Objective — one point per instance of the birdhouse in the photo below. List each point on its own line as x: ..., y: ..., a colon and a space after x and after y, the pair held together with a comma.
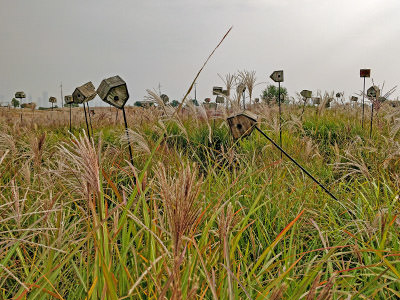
x: 277, y: 76
x: 354, y: 98
x: 240, y: 88
x: 114, y: 91
x: 338, y: 95
x: 52, y: 99
x: 242, y: 124
x: 68, y: 99
x: 207, y: 100
x: 84, y: 93
x: 373, y: 92
x: 210, y: 105
x: 164, y: 98
x: 316, y: 100
x: 306, y: 94
x: 256, y: 100
x: 226, y: 93
x: 20, y: 95
x: 365, y: 72
x: 382, y: 99
x: 217, y: 90
x: 220, y: 99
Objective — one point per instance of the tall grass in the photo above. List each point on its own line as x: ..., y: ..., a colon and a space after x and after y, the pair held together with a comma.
x: 199, y: 216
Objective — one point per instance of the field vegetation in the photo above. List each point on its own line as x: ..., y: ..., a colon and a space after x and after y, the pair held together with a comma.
x: 198, y: 215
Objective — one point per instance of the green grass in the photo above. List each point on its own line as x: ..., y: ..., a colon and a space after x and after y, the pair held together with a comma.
x: 199, y: 216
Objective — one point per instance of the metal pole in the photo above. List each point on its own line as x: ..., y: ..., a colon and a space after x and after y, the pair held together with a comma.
x: 362, y: 122
x: 87, y: 125
x: 280, y: 116
x: 70, y: 109
x: 127, y: 135
x: 372, y: 116
x: 297, y: 164
x: 20, y: 106
x: 244, y: 100
x: 90, y: 118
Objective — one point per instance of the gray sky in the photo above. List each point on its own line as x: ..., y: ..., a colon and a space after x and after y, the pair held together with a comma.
x: 320, y: 44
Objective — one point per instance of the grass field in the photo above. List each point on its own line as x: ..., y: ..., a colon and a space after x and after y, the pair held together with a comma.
x: 199, y: 216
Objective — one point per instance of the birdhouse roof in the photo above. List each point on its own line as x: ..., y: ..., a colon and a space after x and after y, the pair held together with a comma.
x: 85, y: 93
x: 109, y: 83
x: 245, y: 113
x: 19, y: 95
x: 86, y: 90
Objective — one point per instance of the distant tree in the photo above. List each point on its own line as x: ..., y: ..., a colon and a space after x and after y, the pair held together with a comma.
x: 271, y: 93
x: 175, y: 103
x: 15, y: 103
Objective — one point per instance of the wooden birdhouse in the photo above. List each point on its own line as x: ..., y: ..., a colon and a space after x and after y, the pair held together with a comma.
x: 354, y: 98
x: 217, y: 90
x: 240, y: 88
x: 373, y: 92
x: 84, y: 93
x: 210, y: 105
x: 256, y: 100
x: 277, y: 76
x: 114, y: 91
x: 220, y: 99
x: 365, y: 72
x: 242, y: 124
x: 20, y: 95
x: 52, y: 99
x: 306, y: 94
x: 68, y: 99
x: 164, y: 98
x: 316, y: 100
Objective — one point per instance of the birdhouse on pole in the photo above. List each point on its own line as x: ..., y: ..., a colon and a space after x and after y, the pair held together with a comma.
x: 68, y: 99
x: 242, y: 124
x: 20, y: 95
x: 354, y: 99
x: 164, y: 98
x: 84, y: 93
x: 306, y: 94
x: 365, y: 73
x: 373, y: 92
x: 316, y: 100
x: 114, y: 91
x: 277, y: 76
x: 217, y: 90
x: 240, y: 88
x: 220, y: 99
x: 53, y: 100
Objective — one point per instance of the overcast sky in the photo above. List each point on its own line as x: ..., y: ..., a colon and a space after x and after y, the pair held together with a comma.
x: 320, y: 44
